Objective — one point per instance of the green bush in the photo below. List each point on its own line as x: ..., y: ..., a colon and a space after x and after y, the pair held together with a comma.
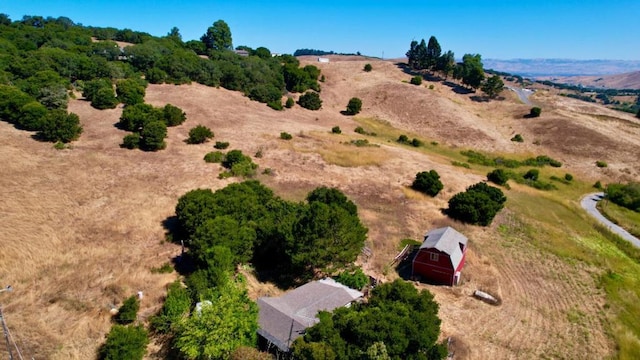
x: 517, y: 138
x: 479, y: 204
x: 626, y: 195
x: 535, y: 112
x: 58, y: 125
x: 336, y: 130
x: 416, y: 80
x: 131, y: 141
x: 130, y: 91
x: 173, y: 115
x: 199, y: 135
x: 275, y: 105
x: 601, y: 164
x: 285, y: 136
x: 427, y: 182
x: 354, y: 279
x: 354, y: 106
x: 153, y: 135
x: 403, y: 139
x: 128, y: 312
x: 125, y: 342
x: 176, y: 307
x: 568, y: 177
x: 598, y: 185
x: 498, y: 176
x: 214, y: 157
x: 310, y: 100
x: 532, y: 175
x: 360, y: 130
x: 289, y: 103
x: 221, y: 145
x: 368, y: 67
x: 416, y: 142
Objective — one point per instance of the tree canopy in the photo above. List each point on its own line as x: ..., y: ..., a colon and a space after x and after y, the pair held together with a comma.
x: 428, y: 182
x: 218, y: 36
x: 479, y: 204
x: 493, y: 86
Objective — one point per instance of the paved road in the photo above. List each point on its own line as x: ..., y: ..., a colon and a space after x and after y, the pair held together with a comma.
x: 589, y: 204
x: 523, y: 94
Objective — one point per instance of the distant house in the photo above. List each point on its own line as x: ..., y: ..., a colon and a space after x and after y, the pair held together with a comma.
x: 242, y: 52
x: 441, y: 256
x: 283, y: 319
x: 323, y: 60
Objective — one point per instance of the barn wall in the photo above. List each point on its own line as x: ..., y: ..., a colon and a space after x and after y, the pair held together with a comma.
x: 439, y: 272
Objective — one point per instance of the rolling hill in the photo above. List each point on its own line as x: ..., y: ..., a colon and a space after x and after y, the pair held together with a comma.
x: 85, y: 225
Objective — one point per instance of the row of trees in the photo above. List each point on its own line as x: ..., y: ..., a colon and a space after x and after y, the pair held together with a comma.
x: 423, y: 56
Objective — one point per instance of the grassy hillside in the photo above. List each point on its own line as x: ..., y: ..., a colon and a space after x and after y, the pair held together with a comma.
x: 85, y: 224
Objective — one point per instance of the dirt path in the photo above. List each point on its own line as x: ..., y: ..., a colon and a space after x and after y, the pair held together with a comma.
x: 589, y: 204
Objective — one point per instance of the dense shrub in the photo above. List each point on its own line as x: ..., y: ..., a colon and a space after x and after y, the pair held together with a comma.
x: 626, y: 195
x: 416, y: 142
x: 416, y: 80
x: 532, y: 175
x: 517, y: 138
x: 355, y: 279
x: 368, y: 67
x: 275, y: 105
x: 498, y: 176
x: 427, y: 182
x: 285, y: 136
x: 105, y: 98
x: 535, y: 112
x: 153, y: 135
x: 128, y: 312
x: 173, y: 115
x: 598, y: 185
x: 479, y: 204
x: 130, y: 91
x: 310, y: 100
x: 568, y: 177
x: 214, y: 157
x: 131, y: 141
x: 221, y: 145
x: 289, y: 103
x: 601, y: 164
x: 199, y: 135
x: 359, y: 130
x: 403, y: 139
x: 354, y: 106
x: 336, y: 130
x: 125, y: 342
x: 176, y: 307
x: 58, y: 125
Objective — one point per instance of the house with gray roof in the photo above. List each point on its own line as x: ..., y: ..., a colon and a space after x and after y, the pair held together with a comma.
x: 285, y: 318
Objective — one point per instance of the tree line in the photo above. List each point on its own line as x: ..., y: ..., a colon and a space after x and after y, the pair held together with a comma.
x: 43, y: 60
x: 429, y: 56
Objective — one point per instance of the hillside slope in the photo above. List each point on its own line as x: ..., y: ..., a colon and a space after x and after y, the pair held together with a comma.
x: 630, y: 80
x: 84, y: 226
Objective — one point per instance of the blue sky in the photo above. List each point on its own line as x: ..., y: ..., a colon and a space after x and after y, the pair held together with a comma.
x: 499, y: 29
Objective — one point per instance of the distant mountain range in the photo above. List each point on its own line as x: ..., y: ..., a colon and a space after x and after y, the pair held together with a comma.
x: 536, y: 68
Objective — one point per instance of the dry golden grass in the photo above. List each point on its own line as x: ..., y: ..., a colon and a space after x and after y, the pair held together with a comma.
x: 83, y: 226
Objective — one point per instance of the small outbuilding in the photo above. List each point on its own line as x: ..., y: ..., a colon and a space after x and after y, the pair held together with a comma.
x: 441, y: 256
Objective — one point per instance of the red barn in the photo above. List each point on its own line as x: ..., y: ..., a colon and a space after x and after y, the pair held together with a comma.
x: 441, y: 256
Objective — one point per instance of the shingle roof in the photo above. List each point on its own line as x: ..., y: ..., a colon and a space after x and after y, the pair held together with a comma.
x: 283, y: 319
x: 447, y: 240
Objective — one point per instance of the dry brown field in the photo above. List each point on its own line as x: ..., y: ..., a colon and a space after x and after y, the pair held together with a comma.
x: 83, y: 227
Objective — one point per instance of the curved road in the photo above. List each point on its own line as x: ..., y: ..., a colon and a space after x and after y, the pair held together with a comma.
x: 523, y: 94
x: 589, y: 204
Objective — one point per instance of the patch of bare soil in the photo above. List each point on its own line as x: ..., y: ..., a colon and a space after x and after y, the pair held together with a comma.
x: 84, y: 226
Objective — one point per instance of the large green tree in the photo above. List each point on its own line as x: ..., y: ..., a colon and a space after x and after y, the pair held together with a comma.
x: 229, y: 321
x: 428, y: 182
x: 470, y: 71
x: 218, y: 36
x: 493, y: 86
x: 58, y: 125
x: 479, y: 204
x: 433, y: 53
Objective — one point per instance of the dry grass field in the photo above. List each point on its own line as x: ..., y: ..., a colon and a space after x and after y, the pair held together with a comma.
x: 83, y: 227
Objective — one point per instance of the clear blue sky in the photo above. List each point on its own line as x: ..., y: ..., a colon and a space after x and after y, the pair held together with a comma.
x: 498, y: 29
